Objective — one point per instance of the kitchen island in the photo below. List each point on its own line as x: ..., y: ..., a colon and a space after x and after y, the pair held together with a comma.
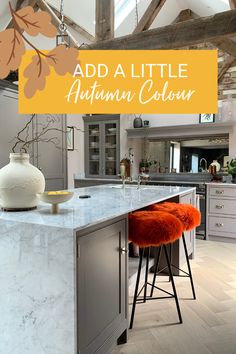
x: 64, y: 277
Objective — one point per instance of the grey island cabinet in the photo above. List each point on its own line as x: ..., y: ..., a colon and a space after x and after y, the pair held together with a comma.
x: 64, y: 278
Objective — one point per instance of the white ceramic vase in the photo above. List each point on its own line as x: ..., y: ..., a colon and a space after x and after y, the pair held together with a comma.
x: 216, y: 164
x: 20, y: 182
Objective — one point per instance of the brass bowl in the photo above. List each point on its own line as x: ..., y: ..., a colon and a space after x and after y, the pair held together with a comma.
x: 55, y: 198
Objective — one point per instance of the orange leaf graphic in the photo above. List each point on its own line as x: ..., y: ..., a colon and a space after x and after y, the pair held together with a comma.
x: 34, y: 23
x: 63, y: 59
x: 11, y: 48
x: 36, y: 71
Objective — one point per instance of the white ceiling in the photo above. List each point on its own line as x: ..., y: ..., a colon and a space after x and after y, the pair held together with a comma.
x: 83, y: 12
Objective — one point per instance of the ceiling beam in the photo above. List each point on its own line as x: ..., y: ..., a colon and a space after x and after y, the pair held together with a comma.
x: 149, y: 15
x: 104, y: 27
x: 232, y: 4
x: 79, y: 29
x: 230, y: 61
x: 184, y: 15
x: 19, y: 5
x: 43, y: 5
x: 205, y: 29
x: 226, y: 45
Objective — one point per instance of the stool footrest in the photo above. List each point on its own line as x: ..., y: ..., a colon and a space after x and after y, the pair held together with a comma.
x: 156, y: 287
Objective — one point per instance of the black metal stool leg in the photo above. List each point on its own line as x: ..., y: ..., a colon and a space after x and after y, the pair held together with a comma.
x: 146, y: 275
x: 136, y: 288
x: 189, y: 267
x: 156, y: 269
x: 173, y: 284
x: 171, y: 254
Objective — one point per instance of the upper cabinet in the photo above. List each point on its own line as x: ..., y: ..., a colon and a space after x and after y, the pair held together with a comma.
x: 102, y: 146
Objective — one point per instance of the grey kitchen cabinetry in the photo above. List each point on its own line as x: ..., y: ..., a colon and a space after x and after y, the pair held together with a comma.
x: 48, y: 157
x: 188, y: 198
x: 102, y: 140
x: 51, y: 157
x: 102, y: 287
x: 221, y: 212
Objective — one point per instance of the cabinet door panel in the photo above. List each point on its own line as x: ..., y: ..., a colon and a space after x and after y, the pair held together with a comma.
x: 222, y: 206
x: 222, y: 191
x: 51, y: 157
x: 189, y: 235
x: 111, y: 148
x: 102, y: 140
x: 101, y: 284
x: 94, y: 149
x: 219, y: 225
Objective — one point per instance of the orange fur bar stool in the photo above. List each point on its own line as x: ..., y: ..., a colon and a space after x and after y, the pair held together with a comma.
x: 152, y: 228
x: 190, y: 217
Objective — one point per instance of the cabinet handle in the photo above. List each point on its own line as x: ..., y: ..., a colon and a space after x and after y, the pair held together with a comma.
x: 123, y: 250
x: 219, y: 192
x: 219, y: 224
x: 219, y: 206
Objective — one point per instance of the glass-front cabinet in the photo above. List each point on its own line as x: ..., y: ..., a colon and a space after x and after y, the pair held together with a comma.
x: 102, y: 153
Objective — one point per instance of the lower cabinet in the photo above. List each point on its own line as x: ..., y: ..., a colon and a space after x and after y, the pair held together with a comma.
x: 189, y: 198
x: 102, y: 281
x: 221, y: 212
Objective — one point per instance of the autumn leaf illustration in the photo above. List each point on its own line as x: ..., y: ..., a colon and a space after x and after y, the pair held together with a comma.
x: 36, y: 72
x: 12, y: 48
x: 34, y: 23
x: 63, y: 59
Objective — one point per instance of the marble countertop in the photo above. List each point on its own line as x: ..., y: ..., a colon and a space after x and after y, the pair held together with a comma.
x: 106, y: 202
x: 221, y: 184
x: 151, y: 181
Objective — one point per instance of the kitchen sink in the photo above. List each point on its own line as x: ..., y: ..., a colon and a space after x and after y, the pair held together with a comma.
x: 120, y: 186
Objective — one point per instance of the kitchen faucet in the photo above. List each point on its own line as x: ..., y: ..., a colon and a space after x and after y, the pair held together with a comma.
x: 205, y: 163
x: 142, y: 177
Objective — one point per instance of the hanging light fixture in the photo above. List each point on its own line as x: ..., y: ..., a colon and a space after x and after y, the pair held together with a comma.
x: 62, y: 38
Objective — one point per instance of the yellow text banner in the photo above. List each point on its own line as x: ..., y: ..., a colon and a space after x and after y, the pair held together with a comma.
x: 125, y: 81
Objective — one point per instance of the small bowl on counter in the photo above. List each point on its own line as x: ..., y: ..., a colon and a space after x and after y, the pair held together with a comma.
x: 55, y: 198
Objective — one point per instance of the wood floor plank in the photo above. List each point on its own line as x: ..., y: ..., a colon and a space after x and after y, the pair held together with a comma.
x: 209, y: 322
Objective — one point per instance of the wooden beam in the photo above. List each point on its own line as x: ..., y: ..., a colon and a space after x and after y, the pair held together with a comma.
x: 205, y: 29
x: 19, y: 5
x: 43, y: 5
x: 232, y: 4
x: 79, y: 29
x: 149, y: 15
x: 104, y: 20
x: 226, y: 45
x: 184, y: 15
x: 230, y: 61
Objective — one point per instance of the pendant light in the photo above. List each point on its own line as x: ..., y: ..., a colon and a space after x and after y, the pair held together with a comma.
x: 62, y: 38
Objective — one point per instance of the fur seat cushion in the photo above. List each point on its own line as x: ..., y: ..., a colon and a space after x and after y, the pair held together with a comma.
x: 153, y: 228
x: 186, y: 213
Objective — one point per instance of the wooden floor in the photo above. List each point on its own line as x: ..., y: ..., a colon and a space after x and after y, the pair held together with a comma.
x: 209, y: 322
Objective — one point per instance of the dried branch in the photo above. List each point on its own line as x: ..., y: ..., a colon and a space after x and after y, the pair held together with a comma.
x: 19, y: 140
x: 24, y: 141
